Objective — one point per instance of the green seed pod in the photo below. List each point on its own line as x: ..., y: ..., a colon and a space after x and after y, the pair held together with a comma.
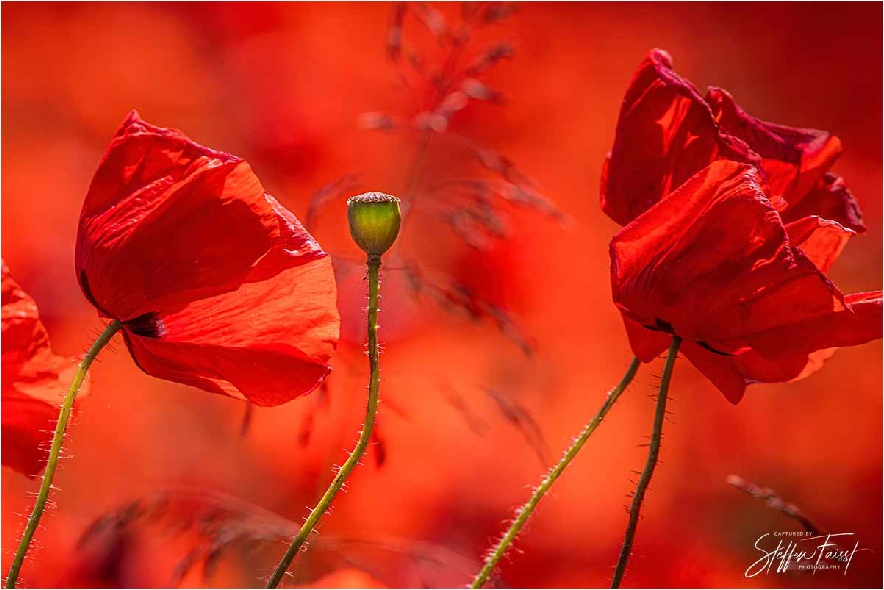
x: 374, y: 221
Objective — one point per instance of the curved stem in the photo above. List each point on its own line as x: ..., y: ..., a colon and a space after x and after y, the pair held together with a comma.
x: 648, y: 471
x: 524, y: 513
x: 374, y: 263
x: 55, y: 449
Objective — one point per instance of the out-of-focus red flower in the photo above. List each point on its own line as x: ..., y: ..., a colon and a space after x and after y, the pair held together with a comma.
x: 217, y: 285
x: 667, y: 132
x: 713, y: 263
x: 34, y: 382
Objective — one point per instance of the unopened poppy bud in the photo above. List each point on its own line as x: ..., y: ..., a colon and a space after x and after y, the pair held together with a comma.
x: 374, y: 221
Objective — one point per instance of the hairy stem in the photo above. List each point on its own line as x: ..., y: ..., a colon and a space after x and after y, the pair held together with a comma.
x: 374, y: 263
x: 524, y: 513
x: 55, y: 450
x: 648, y: 471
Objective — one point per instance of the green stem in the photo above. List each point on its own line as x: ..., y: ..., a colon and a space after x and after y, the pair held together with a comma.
x: 374, y: 263
x: 524, y: 513
x: 55, y: 449
x: 648, y: 471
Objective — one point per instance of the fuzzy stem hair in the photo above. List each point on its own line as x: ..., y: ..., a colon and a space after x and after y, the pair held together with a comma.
x: 650, y: 465
x: 524, y: 513
x: 54, y: 451
x: 374, y: 264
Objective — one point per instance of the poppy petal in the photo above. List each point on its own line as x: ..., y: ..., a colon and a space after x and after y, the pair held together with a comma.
x: 722, y: 371
x: 829, y: 199
x: 820, y: 239
x: 646, y: 344
x: 34, y: 382
x: 240, y: 344
x: 730, y: 222
x: 151, y: 179
x: 793, y: 159
x: 665, y: 134
x: 217, y: 284
x: 783, y: 369
x: 857, y: 322
x: 667, y: 131
x: 731, y: 374
x: 712, y: 261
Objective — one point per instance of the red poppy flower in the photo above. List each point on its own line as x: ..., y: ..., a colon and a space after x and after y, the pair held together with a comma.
x: 216, y: 284
x: 667, y: 132
x: 714, y: 263
x: 34, y: 382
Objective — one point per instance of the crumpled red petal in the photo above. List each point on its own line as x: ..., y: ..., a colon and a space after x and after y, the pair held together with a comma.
x: 216, y: 283
x: 665, y: 134
x: 793, y: 159
x: 646, y: 344
x: 829, y: 199
x: 713, y: 263
x: 722, y: 371
x: 166, y: 220
x: 240, y: 344
x: 820, y: 239
x: 857, y: 322
x: 733, y: 373
x: 34, y: 382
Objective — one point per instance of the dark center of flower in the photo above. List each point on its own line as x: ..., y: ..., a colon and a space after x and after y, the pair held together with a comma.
x: 713, y: 350
x: 147, y: 324
x: 664, y: 326
x: 660, y: 326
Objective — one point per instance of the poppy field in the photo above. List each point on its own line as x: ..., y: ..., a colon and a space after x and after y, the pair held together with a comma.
x: 438, y: 295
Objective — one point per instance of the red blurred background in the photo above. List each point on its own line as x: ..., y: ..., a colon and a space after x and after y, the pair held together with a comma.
x: 473, y: 412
